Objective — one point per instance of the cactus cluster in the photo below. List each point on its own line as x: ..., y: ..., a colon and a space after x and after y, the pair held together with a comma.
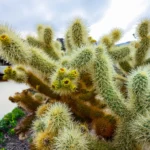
x: 100, y: 84
x: 56, y: 128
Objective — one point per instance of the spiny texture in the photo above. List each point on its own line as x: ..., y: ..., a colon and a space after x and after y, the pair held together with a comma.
x: 14, y: 49
x: 64, y: 81
x: 57, y: 117
x: 15, y: 74
x: 140, y: 128
x: 78, y: 33
x: 138, y: 87
x: 68, y: 43
x: 144, y: 42
x: 43, y: 140
x: 41, y: 62
x: 106, y: 87
x: 57, y: 130
x: 70, y: 139
x: 81, y: 58
x: 120, y: 54
x: 45, y: 41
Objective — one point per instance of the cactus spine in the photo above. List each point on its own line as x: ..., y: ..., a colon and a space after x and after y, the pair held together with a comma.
x: 105, y: 86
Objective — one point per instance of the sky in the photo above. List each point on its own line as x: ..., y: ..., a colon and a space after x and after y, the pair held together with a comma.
x: 100, y: 16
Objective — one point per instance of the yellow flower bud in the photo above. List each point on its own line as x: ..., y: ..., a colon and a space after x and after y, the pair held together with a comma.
x: 4, y: 38
x: 65, y: 82
x: 55, y: 85
x: 73, y: 74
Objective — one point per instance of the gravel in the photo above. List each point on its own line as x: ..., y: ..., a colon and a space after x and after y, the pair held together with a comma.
x: 13, y: 143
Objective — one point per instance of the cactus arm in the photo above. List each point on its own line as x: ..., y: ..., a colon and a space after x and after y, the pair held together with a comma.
x: 96, y: 144
x: 105, y: 86
x: 147, y: 61
x: 49, y: 49
x: 12, y: 48
x: 44, y: 88
x: 125, y: 65
x: 123, y: 139
x: 78, y: 33
x: 26, y: 101
x: 119, y: 53
x: 120, y: 77
x: 116, y: 35
x: 74, y: 139
x: 143, y: 28
x: 82, y: 110
x: 82, y: 58
x: 29, y: 103
x: 34, y: 42
x: 23, y: 76
x: 18, y: 52
x: 142, y: 51
x: 140, y: 129
x: 15, y: 74
x: 143, y: 31
x: 52, y: 52
x: 48, y: 44
x: 41, y: 62
x: 68, y: 43
x: 107, y: 41
x: 48, y: 36
x: 138, y: 87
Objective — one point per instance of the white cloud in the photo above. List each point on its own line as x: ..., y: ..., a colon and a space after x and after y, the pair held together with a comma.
x: 42, y: 10
x: 48, y: 17
x: 122, y: 14
x: 60, y: 33
x: 64, y: 1
x: 128, y: 36
x: 78, y: 13
x: 117, y: 13
x: 25, y: 33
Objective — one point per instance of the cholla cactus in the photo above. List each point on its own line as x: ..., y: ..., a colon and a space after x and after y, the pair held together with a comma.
x: 56, y: 129
x: 78, y: 77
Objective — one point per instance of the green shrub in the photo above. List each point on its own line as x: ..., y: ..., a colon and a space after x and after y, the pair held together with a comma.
x: 11, y: 131
x: 17, y: 113
x: 2, y: 140
x: 9, y: 121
